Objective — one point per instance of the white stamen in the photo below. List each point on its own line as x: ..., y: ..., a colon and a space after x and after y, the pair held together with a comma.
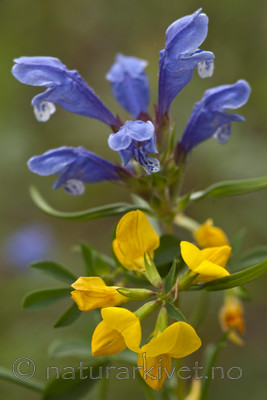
x: 44, y: 110
x: 149, y: 163
x: 222, y: 134
x: 205, y: 68
x: 74, y: 187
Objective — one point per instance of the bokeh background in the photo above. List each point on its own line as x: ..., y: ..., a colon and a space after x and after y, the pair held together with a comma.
x: 86, y: 35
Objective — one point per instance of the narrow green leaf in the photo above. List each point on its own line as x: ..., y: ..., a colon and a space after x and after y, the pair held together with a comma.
x: 231, y: 188
x: 238, y: 278
x: 73, y: 383
x: 238, y: 240
x: 174, y: 312
x: 69, y: 316
x: 31, y: 383
x: 96, y: 263
x: 92, y: 213
x: 41, y: 298
x: 70, y: 347
x: 251, y: 257
x: 169, y: 280
x: 55, y: 270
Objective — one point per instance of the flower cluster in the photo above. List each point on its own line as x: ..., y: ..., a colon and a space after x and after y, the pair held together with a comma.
x: 138, y: 140
x: 152, y: 168
x: 121, y: 328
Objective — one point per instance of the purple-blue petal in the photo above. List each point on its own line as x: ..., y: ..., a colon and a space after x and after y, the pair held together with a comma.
x: 129, y: 84
x: 65, y: 87
x: 209, y: 117
x: 76, y: 164
x: 180, y: 57
x: 138, y: 131
x: 136, y: 139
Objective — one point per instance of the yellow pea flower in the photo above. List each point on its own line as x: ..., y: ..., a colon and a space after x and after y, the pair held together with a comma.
x: 92, y: 292
x: 208, y: 235
x: 231, y: 315
x: 119, y: 329
x: 134, y: 238
x: 154, y: 360
x: 209, y: 263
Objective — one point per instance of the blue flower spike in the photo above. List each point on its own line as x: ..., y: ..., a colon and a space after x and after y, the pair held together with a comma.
x: 129, y: 84
x: 181, y: 56
x: 136, y: 139
x: 74, y: 165
x: 209, y: 117
x: 64, y: 87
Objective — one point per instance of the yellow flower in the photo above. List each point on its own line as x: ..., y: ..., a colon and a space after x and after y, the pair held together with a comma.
x: 208, y: 263
x: 208, y: 235
x: 119, y: 329
x: 134, y: 238
x: 154, y: 360
x: 92, y: 292
x: 231, y: 315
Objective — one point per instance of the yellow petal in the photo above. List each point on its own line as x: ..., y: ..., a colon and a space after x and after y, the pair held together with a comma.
x: 217, y: 255
x: 92, y: 292
x: 106, y: 341
x: 134, y: 238
x: 231, y: 315
x: 191, y: 254
x: 209, y: 271
x: 178, y: 340
x: 195, y: 391
x: 154, y: 370
x: 208, y: 235
x: 126, y: 323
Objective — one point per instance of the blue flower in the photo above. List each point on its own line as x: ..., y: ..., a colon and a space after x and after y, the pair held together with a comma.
x: 28, y: 244
x: 74, y: 166
x: 129, y: 84
x: 181, y: 56
x: 136, y: 139
x: 64, y: 87
x: 209, y: 118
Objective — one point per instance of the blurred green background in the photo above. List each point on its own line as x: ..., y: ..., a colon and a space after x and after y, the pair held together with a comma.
x: 86, y: 35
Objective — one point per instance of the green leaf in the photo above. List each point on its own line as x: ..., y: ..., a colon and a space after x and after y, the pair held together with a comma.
x: 174, y: 312
x: 238, y: 278
x: 96, y: 264
x: 238, y: 240
x: 168, y: 249
x: 250, y: 257
x: 169, y: 280
x: 93, y: 213
x: 71, y: 384
x: 55, y: 270
x: 231, y: 188
x: 70, y: 347
x: 41, y: 298
x: 31, y: 383
x: 69, y: 316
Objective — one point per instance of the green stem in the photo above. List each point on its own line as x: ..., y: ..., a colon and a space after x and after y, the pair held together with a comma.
x: 103, y: 389
x: 32, y: 384
x: 212, y: 353
x: 186, y: 222
x: 180, y: 388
